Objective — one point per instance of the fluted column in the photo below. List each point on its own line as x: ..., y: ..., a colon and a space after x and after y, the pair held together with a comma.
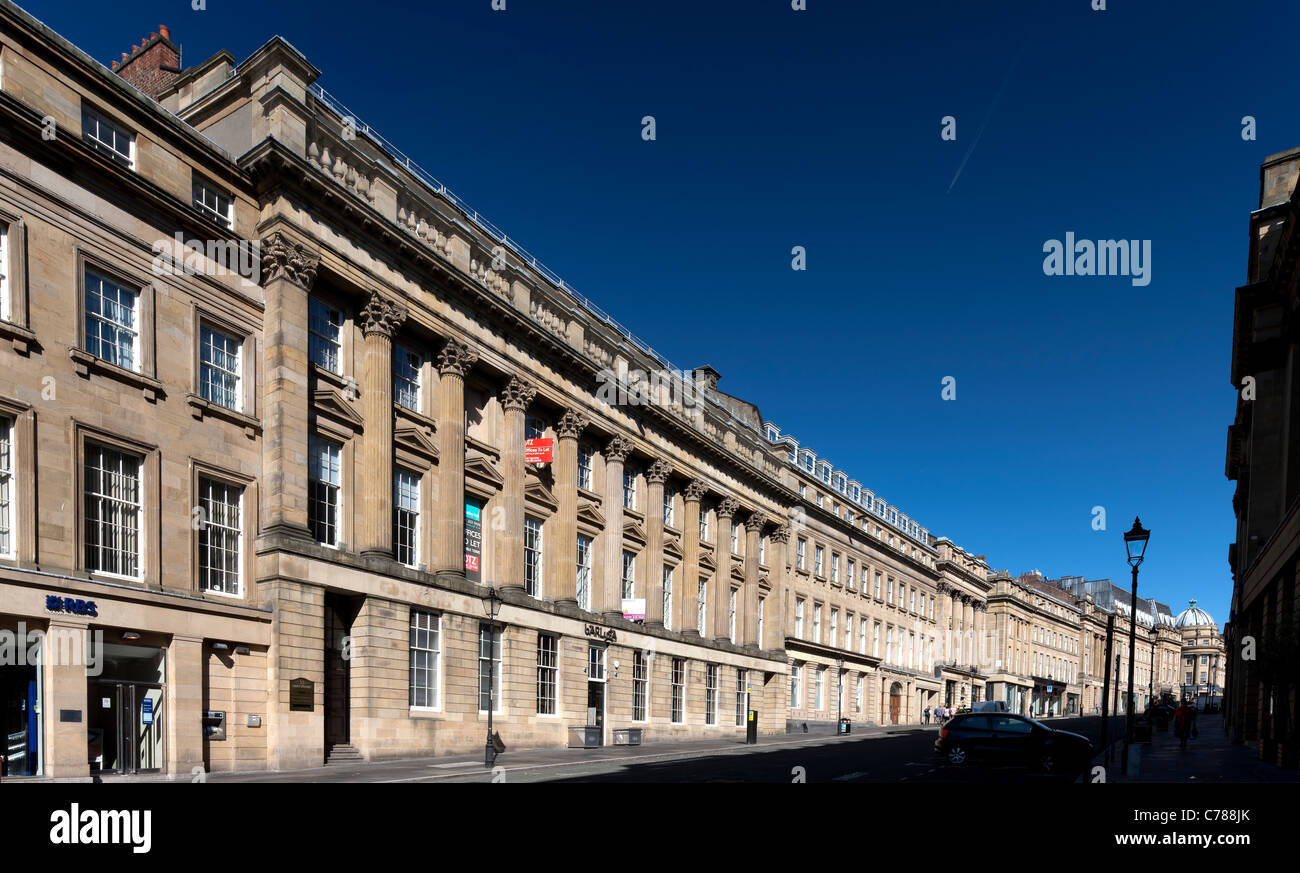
x: 689, y: 584
x: 968, y: 636
x: 610, y: 596
x: 381, y: 319
x: 655, y: 476
x: 727, y: 508
x: 288, y: 272
x: 515, y: 398
x: 775, y: 620
x: 570, y: 426
x: 454, y: 361
x: 753, y: 535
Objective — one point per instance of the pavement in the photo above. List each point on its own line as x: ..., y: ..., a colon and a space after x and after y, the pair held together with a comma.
x: 1210, y: 757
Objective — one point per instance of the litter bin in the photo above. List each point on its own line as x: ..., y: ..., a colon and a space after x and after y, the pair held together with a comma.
x: 845, y: 726
x: 627, y: 736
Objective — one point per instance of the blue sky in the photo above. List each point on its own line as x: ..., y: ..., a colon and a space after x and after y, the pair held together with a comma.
x: 778, y: 128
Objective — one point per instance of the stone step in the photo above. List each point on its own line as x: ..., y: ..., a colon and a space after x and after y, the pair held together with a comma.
x: 343, y: 753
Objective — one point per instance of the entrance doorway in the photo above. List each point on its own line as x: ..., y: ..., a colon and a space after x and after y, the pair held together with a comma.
x: 126, y: 724
x: 339, y: 613
x: 895, y: 702
x: 596, y: 690
x: 20, y: 719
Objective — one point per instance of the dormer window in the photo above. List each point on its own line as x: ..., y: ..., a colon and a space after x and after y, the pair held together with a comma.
x: 213, y: 203
x: 107, y: 138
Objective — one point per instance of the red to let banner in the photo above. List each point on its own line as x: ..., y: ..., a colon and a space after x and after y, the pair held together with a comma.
x: 538, y: 451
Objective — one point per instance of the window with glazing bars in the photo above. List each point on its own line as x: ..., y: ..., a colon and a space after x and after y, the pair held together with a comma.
x: 679, y: 690
x: 113, y: 511
x: 547, y: 674
x: 219, y: 367
x: 6, y: 485
x: 711, y: 694
x: 406, y: 517
x: 219, y: 537
x: 532, y: 556
x: 324, y: 484
x: 425, y: 659
x: 325, y: 336
x: 640, y: 685
x: 406, y: 378
x: 111, y: 323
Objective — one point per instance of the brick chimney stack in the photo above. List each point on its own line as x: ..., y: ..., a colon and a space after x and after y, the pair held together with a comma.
x: 153, y: 64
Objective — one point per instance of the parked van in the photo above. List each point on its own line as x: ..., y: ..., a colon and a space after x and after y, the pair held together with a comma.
x: 991, y: 706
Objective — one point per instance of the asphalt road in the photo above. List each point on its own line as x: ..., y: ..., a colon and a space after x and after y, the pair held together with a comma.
x: 906, y: 756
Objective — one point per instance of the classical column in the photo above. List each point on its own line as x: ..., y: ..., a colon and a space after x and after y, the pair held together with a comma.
x: 515, y: 398
x: 753, y: 536
x: 609, y: 597
x: 655, y: 477
x: 775, y: 620
x: 454, y: 361
x: 381, y: 318
x: 571, y: 424
x: 727, y: 508
x: 690, y: 568
x: 288, y: 271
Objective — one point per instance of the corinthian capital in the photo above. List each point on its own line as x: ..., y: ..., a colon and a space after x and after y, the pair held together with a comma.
x: 517, y: 394
x: 618, y: 449
x: 727, y: 507
x: 571, y: 424
x: 456, y: 358
x: 756, y: 521
x: 382, y: 316
x: 781, y: 534
x: 658, y: 472
x: 695, y: 489
x: 284, y: 258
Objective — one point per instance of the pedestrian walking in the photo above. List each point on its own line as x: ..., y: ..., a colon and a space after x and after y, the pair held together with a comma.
x: 925, y: 716
x: 1182, y: 724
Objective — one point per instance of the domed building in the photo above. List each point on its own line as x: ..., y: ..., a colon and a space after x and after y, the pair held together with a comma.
x: 1203, y: 663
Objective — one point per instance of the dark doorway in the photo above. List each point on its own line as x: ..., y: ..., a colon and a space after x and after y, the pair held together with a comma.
x: 20, y: 721
x: 339, y: 613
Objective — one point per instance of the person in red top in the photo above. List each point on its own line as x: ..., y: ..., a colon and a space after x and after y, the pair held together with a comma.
x: 1182, y: 724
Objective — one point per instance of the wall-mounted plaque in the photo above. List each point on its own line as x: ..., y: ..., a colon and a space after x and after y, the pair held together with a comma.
x: 302, y: 695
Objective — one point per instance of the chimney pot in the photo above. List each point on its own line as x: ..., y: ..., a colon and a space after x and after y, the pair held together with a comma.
x: 153, y: 35
x: 135, y: 50
x: 165, y: 31
x: 124, y: 57
x: 114, y: 65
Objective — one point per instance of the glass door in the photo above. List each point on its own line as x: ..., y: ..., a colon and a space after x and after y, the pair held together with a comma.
x: 103, y: 728
x: 125, y: 729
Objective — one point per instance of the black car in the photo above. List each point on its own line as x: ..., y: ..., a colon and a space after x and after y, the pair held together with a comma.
x: 999, y: 737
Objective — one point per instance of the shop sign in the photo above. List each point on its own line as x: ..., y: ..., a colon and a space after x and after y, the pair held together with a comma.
x: 634, y: 608
x: 72, y: 606
x: 473, y: 540
x: 302, y: 695
x: 606, y: 634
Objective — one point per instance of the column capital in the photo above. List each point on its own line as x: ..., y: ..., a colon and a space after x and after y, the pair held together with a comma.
x: 756, y: 521
x: 517, y: 394
x: 658, y: 472
x: 781, y: 534
x: 727, y: 507
x: 382, y: 316
x: 284, y: 258
x: 456, y: 358
x: 571, y: 424
x: 618, y: 449
x: 695, y: 489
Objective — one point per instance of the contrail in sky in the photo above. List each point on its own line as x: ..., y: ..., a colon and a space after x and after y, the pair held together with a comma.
x: 996, y: 97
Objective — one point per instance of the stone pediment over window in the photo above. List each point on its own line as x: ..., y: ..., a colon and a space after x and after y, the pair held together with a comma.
x: 673, y: 550
x: 478, y: 466
x: 331, y: 403
x: 737, y: 568
x: 590, y: 515
x: 416, y: 438
x: 536, y: 491
x: 633, y: 531
x: 706, y: 562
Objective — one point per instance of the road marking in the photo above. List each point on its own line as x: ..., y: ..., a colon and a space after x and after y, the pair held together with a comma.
x: 847, y: 776
x: 450, y: 766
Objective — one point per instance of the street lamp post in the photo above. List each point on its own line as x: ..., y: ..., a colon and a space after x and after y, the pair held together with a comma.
x: 491, y: 605
x: 1135, y: 543
x: 839, y: 694
x: 1151, y: 673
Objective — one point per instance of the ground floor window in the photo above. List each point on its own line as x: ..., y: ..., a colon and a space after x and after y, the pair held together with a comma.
x: 489, y: 668
x: 711, y: 694
x: 740, y: 698
x: 679, y: 690
x: 640, y: 686
x: 547, y: 674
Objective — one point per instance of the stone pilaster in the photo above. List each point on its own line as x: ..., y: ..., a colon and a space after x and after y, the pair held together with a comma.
x: 570, y: 426
x: 609, y: 598
x: 454, y: 361
x: 655, y: 476
x: 381, y: 319
x: 184, y: 722
x: 727, y: 508
x: 689, y: 583
x: 65, y: 690
x: 288, y: 272
x: 749, y: 601
x: 776, y: 621
x: 515, y: 398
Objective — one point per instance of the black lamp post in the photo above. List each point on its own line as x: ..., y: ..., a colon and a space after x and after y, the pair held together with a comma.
x: 491, y: 605
x: 1151, y: 673
x: 839, y: 695
x: 1135, y: 543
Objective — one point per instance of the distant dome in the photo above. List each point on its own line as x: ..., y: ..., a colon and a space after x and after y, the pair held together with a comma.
x: 1194, y: 616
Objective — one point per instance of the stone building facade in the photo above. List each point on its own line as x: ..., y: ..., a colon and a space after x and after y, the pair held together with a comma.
x: 1263, y: 458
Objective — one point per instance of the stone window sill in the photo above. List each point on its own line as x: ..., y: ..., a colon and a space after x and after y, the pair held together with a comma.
x: 199, y: 407
x: 85, y: 362
x: 21, y: 337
